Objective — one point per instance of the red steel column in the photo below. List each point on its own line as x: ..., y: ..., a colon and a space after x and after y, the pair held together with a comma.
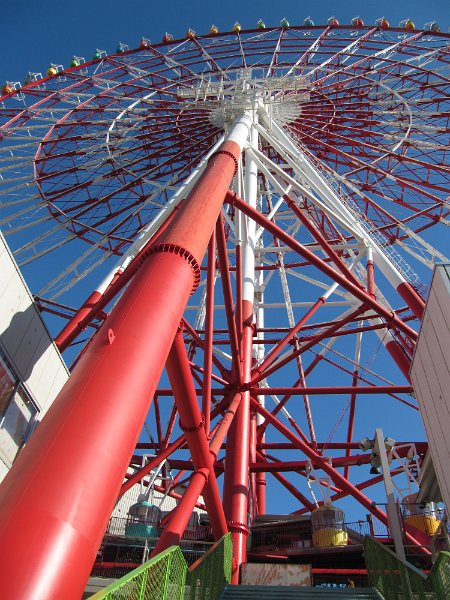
x: 412, y: 299
x: 209, y: 326
x: 236, y: 483
x: 52, y: 518
x: 192, y: 423
x: 97, y: 301
x: 180, y: 518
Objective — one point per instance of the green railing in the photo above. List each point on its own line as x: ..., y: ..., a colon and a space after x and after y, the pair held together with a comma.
x: 440, y: 576
x: 162, y: 577
x: 166, y: 576
x: 208, y: 576
x: 397, y: 580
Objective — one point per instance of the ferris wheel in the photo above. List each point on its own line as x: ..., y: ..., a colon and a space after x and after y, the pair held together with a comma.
x: 300, y: 175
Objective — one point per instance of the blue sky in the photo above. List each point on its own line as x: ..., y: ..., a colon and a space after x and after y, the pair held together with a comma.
x: 34, y: 34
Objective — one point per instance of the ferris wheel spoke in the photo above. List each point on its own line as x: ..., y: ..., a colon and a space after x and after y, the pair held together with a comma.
x: 343, y: 55
x: 309, y: 54
x: 275, y: 54
x: 403, y: 160
x: 359, y: 164
x: 385, y: 54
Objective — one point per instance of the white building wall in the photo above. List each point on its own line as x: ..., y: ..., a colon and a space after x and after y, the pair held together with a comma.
x: 26, y: 343
x: 430, y: 374
x: 163, y: 501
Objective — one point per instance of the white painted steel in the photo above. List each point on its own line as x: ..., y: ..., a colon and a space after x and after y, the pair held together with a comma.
x: 347, y: 218
x: 249, y: 225
x: 392, y: 512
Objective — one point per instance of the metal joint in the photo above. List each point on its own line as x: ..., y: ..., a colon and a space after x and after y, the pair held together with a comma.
x: 175, y: 249
x: 237, y: 527
x: 228, y: 153
x: 192, y: 429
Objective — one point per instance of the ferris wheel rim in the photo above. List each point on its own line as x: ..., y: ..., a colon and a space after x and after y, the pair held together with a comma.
x: 177, y: 43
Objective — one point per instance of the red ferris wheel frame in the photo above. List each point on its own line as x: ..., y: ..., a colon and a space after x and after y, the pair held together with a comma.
x: 385, y: 179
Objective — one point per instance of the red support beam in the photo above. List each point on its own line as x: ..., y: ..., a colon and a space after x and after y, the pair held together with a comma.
x: 335, y: 476
x: 333, y: 390
x: 359, y: 293
x: 192, y: 424
x: 225, y: 424
x: 351, y: 417
x: 276, y: 350
x: 57, y: 514
x: 323, y: 243
x: 338, y: 324
x: 152, y: 464
x: 228, y: 297
x: 288, y: 485
x: 179, y: 518
x: 236, y: 484
x: 209, y: 330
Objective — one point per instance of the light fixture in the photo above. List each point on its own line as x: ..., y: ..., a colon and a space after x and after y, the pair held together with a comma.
x: 365, y: 444
x: 375, y: 459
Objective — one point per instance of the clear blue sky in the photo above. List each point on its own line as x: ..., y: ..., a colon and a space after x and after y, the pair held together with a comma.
x: 37, y: 33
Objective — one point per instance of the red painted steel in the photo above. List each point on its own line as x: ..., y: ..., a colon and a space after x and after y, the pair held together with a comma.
x: 181, y: 514
x: 321, y: 241
x: 209, y: 332
x: 152, y: 464
x: 336, y: 477
x: 192, y: 423
x: 359, y: 293
x: 236, y: 484
x: 276, y: 350
x: 68, y: 333
x: 100, y: 411
x: 225, y: 424
x: 94, y: 305
x: 60, y: 520
x: 288, y: 485
x: 412, y: 299
x: 228, y: 298
x: 400, y: 358
x: 313, y: 391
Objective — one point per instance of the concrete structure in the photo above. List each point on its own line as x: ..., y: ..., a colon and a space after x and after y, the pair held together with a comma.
x: 32, y: 370
x: 430, y: 374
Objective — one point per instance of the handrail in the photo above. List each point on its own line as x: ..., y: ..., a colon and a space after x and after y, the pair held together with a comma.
x: 166, y: 576
x: 399, y: 580
x: 209, y: 575
x: 162, y: 577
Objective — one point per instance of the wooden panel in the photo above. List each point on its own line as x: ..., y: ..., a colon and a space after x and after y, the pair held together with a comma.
x: 276, y: 574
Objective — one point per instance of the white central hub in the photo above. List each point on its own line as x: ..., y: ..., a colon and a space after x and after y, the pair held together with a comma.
x: 225, y: 99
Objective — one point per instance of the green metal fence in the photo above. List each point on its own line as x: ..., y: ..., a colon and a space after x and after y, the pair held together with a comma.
x: 440, y: 576
x: 162, y: 577
x: 166, y: 576
x: 208, y: 576
x: 397, y: 580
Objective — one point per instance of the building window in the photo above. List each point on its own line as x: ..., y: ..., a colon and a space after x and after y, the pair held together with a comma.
x: 17, y: 414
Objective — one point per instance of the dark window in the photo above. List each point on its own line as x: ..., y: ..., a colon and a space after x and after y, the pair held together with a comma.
x: 17, y: 413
